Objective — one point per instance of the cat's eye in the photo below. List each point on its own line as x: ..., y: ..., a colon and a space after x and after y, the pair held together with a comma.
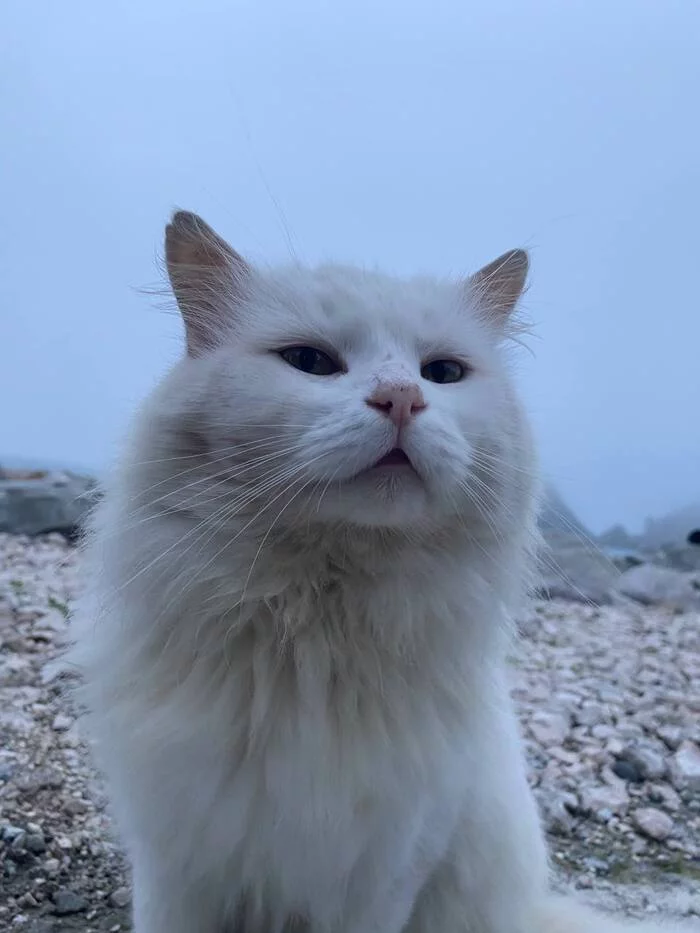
x: 443, y: 371
x: 310, y: 360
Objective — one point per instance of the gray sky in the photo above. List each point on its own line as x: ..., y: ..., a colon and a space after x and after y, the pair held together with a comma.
x: 419, y: 137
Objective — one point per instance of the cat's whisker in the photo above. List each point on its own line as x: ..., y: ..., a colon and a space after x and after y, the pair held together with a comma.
x: 206, y: 535
x: 232, y: 463
x: 197, y: 498
x: 267, y: 535
x: 325, y: 488
x: 161, y: 556
x: 211, y: 524
x: 483, y: 457
x: 207, y: 462
x: 208, y: 451
x: 256, y: 517
x: 493, y: 557
x: 229, y: 473
x: 549, y: 561
x: 584, y: 539
x: 252, y: 492
x: 477, y: 498
x: 210, y: 425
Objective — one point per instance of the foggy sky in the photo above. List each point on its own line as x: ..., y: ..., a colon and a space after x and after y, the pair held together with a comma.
x: 417, y: 137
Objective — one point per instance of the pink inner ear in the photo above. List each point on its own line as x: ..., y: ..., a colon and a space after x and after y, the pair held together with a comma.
x: 206, y: 276
x: 190, y: 241
x: 497, y: 287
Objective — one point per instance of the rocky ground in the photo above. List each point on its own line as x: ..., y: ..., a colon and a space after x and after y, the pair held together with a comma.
x: 609, y: 700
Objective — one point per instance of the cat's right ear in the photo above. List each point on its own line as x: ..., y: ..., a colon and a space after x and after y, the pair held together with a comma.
x: 207, y: 278
x: 497, y: 287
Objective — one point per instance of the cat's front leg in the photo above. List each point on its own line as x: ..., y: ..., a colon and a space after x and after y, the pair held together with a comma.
x: 491, y: 879
x: 449, y: 903
x: 494, y: 871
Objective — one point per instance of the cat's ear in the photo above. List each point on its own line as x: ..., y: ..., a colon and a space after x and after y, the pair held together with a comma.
x: 497, y: 287
x: 207, y: 278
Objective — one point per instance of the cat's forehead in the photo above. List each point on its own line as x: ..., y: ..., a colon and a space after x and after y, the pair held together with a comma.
x: 352, y: 304
x: 346, y: 295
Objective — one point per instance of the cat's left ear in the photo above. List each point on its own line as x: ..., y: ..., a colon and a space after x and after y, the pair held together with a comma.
x: 207, y: 277
x: 496, y: 288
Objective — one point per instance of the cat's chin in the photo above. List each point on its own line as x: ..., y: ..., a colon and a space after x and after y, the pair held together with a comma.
x: 380, y: 497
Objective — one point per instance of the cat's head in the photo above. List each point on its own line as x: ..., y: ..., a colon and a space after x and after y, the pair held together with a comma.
x: 341, y: 395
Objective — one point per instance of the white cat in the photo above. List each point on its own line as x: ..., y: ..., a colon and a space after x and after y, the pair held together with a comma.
x: 299, y: 596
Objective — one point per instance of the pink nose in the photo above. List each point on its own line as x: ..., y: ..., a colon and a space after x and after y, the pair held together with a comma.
x: 398, y: 401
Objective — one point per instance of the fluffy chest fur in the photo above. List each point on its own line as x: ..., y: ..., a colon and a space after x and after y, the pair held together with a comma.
x: 317, y: 745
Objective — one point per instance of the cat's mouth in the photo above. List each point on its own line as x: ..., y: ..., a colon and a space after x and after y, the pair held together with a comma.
x: 395, y: 458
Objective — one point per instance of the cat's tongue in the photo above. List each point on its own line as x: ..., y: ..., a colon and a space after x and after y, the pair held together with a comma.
x: 395, y: 457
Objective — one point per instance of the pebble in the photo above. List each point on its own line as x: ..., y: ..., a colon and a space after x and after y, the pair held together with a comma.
x: 35, y: 843
x: 653, y: 823
x: 10, y: 832
x: 666, y: 795
x: 68, y: 902
x: 62, y: 723
x: 643, y: 761
x: 685, y: 766
x: 549, y: 728
x: 120, y: 898
x: 557, y: 817
x: 604, y: 800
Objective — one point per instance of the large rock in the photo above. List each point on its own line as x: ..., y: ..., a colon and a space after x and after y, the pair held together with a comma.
x: 572, y: 569
x: 684, y: 557
x: 555, y: 516
x: 33, y: 503
x: 661, y: 586
x: 623, y: 558
x: 572, y: 565
x: 618, y: 538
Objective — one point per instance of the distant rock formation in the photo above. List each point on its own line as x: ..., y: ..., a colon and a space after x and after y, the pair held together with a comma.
x: 658, y: 567
x: 572, y: 565
x: 34, y: 502
x: 618, y: 538
x: 576, y: 570
x: 556, y: 518
x: 671, y: 529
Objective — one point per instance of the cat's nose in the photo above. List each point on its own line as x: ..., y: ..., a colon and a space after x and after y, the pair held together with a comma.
x: 398, y: 401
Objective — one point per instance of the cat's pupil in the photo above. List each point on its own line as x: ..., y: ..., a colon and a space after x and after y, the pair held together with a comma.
x: 308, y: 359
x: 443, y: 371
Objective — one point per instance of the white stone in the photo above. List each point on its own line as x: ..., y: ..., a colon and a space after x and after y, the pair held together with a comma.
x: 605, y: 800
x: 549, y: 728
x: 653, y: 823
x: 685, y: 766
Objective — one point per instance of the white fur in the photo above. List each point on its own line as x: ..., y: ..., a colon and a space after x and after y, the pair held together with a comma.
x: 295, y: 676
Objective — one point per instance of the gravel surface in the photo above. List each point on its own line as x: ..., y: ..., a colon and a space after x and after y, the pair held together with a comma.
x: 609, y: 701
